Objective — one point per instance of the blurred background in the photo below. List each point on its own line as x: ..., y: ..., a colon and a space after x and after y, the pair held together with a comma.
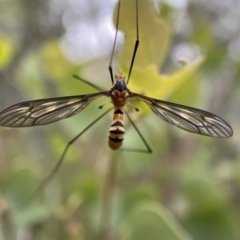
x: 188, y: 188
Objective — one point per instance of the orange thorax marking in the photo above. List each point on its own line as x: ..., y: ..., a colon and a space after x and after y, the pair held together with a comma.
x: 119, y: 99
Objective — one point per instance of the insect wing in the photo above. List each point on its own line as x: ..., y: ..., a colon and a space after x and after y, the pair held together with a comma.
x: 188, y: 118
x: 45, y: 111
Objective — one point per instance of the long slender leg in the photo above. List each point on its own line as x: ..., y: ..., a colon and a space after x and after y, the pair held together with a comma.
x: 114, y: 43
x: 59, y: 162
x: 88, y: 83
x: 148, y: 149
x: 136, y: 43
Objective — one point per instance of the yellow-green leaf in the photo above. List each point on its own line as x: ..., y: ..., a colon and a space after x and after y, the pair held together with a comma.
x: 149, y: 82
x: 6, y: 51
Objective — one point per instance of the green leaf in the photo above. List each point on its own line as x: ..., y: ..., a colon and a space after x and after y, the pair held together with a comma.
x: 33, y: 214
x: 150, y: 220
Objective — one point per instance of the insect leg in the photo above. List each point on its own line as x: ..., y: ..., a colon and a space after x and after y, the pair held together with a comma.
x: 114, y: 43
x: 136, y: 43
x: 88, y: 83
x: 50, y: 176
x: 148, y: 149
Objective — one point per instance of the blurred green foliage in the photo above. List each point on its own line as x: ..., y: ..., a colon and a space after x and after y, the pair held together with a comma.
x: 188, y: 188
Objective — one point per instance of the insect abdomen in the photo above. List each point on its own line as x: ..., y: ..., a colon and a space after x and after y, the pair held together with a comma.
x: 116, y: 131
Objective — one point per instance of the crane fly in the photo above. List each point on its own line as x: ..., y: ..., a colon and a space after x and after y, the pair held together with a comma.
x: 46, y: 111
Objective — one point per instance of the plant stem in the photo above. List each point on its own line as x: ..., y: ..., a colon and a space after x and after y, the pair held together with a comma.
x: 107, y: 198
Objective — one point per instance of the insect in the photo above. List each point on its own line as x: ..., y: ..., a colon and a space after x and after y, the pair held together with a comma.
x: 46, y: 111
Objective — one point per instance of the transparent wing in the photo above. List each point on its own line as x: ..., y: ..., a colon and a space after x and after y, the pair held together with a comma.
x: 45, y: 111
x: 188, y: 118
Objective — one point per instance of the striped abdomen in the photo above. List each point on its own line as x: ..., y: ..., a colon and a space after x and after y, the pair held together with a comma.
x: 116, y: 131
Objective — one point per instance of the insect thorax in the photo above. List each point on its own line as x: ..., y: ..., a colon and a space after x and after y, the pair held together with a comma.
x: 119, y: 92
x: 119, y: 99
